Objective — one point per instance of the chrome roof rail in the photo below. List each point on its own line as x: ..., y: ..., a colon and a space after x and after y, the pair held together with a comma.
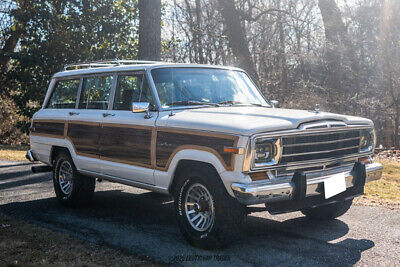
x: 106, y: 63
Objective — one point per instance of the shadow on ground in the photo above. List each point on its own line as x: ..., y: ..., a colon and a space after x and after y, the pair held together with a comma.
x: 144, y: 224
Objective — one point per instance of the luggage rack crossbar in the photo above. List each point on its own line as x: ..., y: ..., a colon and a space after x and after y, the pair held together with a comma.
x: 106, y: 63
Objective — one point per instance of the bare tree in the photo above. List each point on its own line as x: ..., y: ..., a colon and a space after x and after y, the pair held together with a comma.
x: 237, y: 37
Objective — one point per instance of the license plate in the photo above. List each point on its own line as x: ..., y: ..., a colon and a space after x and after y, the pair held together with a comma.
x: 334, y: 185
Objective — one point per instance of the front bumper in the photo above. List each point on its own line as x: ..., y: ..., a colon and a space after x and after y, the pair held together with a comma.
x: 300, y: 186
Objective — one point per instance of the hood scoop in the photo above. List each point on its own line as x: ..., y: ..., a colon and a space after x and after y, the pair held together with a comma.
x: 322, y: 124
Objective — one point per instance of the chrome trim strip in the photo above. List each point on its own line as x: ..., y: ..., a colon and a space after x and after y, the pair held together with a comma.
x: 125, y: 181
x: 311, y: 131
x: 282, y: 188
x: 318, y: 152
x: 318, y: 143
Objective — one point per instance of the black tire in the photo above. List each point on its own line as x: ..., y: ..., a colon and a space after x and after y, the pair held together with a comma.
x: 82, y: 187
x: 328, y: 212
x: 228, y: 217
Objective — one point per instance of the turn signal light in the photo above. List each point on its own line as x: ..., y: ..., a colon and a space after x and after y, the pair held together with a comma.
x: 234, y: 150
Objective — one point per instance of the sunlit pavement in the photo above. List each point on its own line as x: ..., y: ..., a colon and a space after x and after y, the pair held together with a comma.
x: 142, y: 223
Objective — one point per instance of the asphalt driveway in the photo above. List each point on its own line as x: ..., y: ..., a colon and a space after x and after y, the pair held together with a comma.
x: 142, y: 223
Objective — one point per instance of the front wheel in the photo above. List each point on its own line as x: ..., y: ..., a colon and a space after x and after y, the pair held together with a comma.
x: 208, y: 216
x: 328, y: 212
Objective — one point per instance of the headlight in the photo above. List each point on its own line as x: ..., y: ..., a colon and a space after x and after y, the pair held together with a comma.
x: 266, y: 152
x: 367, y: 140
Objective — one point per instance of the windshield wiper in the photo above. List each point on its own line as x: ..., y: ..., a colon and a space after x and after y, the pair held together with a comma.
x: 189, y: 103
x: 231, y: 102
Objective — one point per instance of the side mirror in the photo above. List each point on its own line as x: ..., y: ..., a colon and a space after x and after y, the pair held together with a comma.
x: 274, y: 103
x: 138, y: 107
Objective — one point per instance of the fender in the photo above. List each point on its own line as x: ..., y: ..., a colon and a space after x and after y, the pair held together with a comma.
x: 164, y: 178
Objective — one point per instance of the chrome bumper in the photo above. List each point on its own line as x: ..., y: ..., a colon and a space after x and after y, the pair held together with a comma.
x: 283, y: 188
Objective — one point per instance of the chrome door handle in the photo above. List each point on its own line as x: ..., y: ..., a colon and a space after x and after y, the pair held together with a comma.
x: 73, y: 113
x: 108, y: 114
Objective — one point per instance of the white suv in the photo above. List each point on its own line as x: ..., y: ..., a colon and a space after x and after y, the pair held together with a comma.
x: 204, y: 134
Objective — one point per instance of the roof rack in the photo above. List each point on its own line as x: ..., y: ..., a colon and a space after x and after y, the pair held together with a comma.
x: 106, y: 63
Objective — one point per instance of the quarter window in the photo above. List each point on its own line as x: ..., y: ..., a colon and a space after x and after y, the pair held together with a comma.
x: 64, y: 94
x: 95, y: 92
x: 132, y: 88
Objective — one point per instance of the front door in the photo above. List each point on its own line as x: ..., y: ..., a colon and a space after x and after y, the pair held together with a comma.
x: 126, y: 137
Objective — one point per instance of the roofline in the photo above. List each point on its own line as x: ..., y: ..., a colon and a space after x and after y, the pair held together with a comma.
x: 145, y: 67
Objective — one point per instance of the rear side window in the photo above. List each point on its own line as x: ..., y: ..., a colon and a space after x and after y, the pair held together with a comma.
x: 64, y: 94
x: 95, y: 92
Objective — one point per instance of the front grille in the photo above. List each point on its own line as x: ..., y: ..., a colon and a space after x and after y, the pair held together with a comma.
x: 319, y: 146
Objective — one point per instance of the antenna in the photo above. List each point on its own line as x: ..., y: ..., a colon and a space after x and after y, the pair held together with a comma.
x: 172, y: 93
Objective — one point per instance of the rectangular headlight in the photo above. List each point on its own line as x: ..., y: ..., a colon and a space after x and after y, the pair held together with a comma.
x: 266, y: 152
x: 367, y: 140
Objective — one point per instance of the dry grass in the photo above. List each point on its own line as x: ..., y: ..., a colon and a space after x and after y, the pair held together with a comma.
x: 25, y: 244
x: 8, y: 152
x: 386, y: 190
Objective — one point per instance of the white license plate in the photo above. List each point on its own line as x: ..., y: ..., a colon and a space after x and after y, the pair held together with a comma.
x: 334, y: 185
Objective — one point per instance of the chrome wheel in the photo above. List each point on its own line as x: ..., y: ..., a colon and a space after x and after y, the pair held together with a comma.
x: 65, y: 177
x: 199, y: 207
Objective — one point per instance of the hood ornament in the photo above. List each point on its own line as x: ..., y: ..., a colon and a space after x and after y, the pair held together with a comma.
x: 317, y: 108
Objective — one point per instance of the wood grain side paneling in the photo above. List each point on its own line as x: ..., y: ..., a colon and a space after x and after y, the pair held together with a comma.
x: 143, y: 146
x: 48, y: 128
x: 85, y: 138
x: 169, y: 142
x: 127, y: 144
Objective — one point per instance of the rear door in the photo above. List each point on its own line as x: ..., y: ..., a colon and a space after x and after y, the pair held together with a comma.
x: 84, y: 123
x: 126, y: 137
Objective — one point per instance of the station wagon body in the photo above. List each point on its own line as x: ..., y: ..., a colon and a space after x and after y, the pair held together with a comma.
x: 162, y: 127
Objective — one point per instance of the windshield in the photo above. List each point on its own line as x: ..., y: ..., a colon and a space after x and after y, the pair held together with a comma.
x: 205, y: 86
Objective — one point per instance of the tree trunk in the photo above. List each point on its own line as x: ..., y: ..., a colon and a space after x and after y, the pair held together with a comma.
x: 331, y: 17
x: 149, y: 29
x: 236, y: 37
x: 198, y: 32
x: 282, y: 52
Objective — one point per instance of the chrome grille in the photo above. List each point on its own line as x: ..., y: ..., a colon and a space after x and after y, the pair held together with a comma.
x: 319, y: 146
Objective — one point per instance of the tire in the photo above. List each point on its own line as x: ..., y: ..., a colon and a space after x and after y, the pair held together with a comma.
x: 72, y: 189
x: 222, y: 216
x: 328, y: 212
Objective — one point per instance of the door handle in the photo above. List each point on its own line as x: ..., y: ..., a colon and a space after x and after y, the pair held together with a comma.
x: 73, y: 113
x: 108, y: 115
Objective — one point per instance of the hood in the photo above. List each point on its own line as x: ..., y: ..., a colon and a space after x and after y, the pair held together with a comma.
x: 244, y: 120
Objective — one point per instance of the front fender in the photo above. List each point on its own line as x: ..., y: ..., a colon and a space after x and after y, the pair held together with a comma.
x: 164, y: 179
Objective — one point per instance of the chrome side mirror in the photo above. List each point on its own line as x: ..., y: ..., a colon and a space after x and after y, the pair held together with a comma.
x: 138, y: 107
x: 274, y: 103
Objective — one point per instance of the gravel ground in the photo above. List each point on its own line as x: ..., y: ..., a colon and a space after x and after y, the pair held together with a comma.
x: 142, y: 223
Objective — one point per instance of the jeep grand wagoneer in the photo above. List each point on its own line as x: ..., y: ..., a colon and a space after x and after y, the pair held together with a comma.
x: 203, y: 134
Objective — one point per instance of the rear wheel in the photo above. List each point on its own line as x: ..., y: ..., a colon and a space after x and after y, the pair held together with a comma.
x: 71, y: 188
x: 208, y: 216
x: 328, y: 212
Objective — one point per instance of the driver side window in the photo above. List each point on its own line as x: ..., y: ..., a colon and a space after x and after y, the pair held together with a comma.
x: 132, y: 88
